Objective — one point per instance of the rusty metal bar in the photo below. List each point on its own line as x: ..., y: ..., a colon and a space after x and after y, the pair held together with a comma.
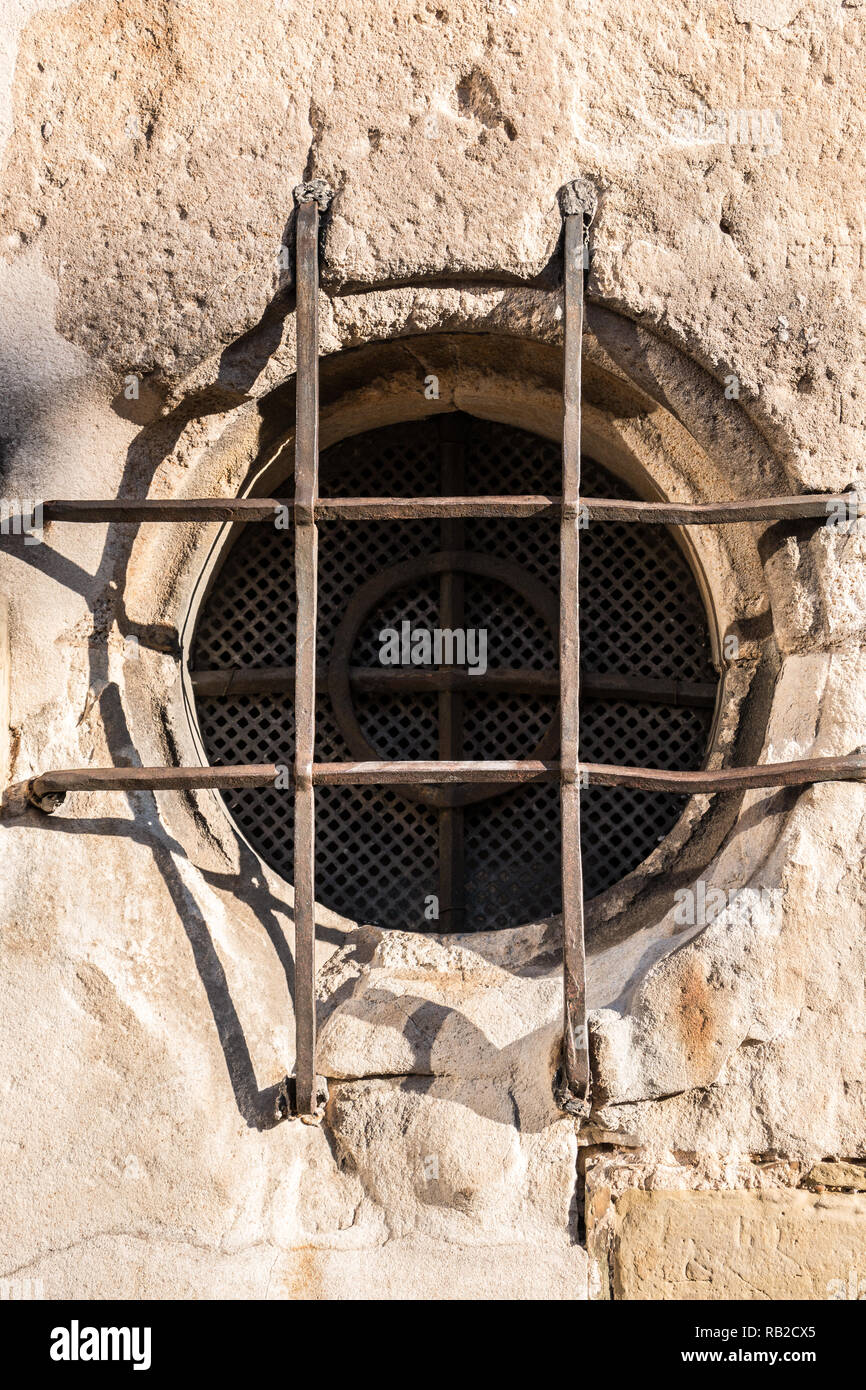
x: 596, y: 508
x: 816, y: 506
x: 169, y: 509
x: 444, y: 507
x: 275, y: 680
x: 306, y: 576
x: 849, y: 767
x: 575, y: 1049
x: 155, y: 779
x: 769, y: 509
x: 438, y: 772
x: 452, y: 585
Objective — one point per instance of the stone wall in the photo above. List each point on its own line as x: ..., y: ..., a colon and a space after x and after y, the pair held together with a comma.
x: 148, y: 347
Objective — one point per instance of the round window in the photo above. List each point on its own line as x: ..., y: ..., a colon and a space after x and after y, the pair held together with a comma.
x: 488, y: 857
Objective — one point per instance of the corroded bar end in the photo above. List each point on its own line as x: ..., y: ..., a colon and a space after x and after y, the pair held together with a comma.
x: 316, y: 191
x: 578, y: 197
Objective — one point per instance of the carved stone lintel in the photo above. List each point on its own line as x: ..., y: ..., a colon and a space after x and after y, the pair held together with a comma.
x: 578, y: 197
x: 316, y: 191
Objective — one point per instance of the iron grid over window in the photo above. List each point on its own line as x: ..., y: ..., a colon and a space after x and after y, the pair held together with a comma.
x: 644, y: 647
x: 309, y: 509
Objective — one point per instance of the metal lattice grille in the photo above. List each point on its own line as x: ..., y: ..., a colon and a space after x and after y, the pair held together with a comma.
x: 376, y: 849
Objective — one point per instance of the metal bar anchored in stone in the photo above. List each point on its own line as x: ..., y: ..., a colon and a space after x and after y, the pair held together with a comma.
x: 576, y: 1087
x: 53, y: 786
x: 306, y: 579
x: 815, y: 507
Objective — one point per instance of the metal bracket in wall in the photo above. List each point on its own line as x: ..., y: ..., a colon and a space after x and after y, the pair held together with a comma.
x: 286, y: 1105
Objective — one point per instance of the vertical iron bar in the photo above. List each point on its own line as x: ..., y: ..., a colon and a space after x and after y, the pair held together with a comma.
x: 575, y: 1051
x: 306, y: 565
x: 452, y: 869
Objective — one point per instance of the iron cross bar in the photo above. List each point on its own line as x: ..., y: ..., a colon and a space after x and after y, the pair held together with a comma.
x: 48, y: 789
x: 807, y: 507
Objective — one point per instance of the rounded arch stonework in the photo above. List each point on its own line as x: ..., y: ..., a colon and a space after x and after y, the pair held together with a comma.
x: 515, y: 379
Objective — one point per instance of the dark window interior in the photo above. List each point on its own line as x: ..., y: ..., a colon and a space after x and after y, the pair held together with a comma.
x: 377, y: 849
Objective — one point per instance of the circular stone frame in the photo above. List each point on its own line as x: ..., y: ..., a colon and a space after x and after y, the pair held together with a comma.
x: 629, y: 427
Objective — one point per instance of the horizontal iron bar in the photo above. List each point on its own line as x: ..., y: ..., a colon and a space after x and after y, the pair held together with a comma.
x: 716, y: 513
x: 173, y: 509
x: 394, y: 508
x: 275, y: 680
x: 597, y: 508
x: 849, y: 768
x: 423, y: 773
x: 398, y: 508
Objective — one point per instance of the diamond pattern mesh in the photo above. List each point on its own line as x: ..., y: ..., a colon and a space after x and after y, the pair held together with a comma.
x: 377, y: 851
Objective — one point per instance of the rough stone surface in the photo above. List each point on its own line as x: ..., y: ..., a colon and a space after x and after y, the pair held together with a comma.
x: 485, y: 1007
x: 850, y: 1177
x: 150, y: 152
x: 752, y: 1245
